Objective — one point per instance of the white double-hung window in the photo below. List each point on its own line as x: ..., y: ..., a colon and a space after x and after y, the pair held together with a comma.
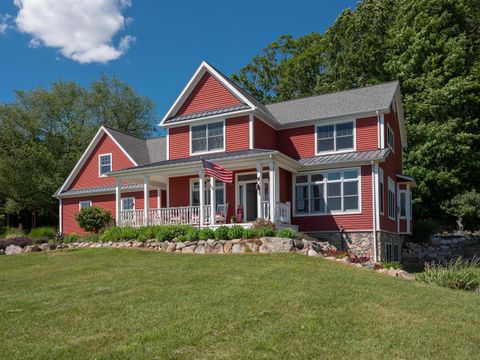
x: 336, y: 191
x: 335, y: 137
x: 128, y: 203
x: 207, y: 137
x: 195, y: 192
x: 104, y: 164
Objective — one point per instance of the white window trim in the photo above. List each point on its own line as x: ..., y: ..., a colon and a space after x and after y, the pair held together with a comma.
x: 207, y: 188
x: 84, y: 201
x: 100, y: 164
x: 207, y: 123
x: 334, y: 212
x: 335, y: 122
x: 389, y: 128
x: 124, y: 198
x: 391, y: 186
x: 381, y: 180
x: 400, y: 192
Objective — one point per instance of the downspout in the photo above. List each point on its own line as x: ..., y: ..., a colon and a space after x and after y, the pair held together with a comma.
x: 374, y: 212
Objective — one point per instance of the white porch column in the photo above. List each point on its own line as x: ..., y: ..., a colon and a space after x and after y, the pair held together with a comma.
x: 118, y: 201
x: 260, y: 191
x: 201, y: 177
x: 60, y: 216
x: 213, y: 203
x: 167, y: 192
x: 272, y: 190
x: 146, y: 198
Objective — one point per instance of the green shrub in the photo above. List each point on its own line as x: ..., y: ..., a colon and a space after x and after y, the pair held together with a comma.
x: 265, y: 231
x: 221, y: 233
x: 43, y: 232
x: 249, y: 233
x: 391, y: 264
x: 13, y: 233
x: 287, y: 233
x: 235, y: 232
x: 192, y: 234
x: 424, y: 229
x: 459, y: 274
x: 181, y: 238
x: 180, y: 230
x: 71, y: 238
x: 93, y: 219
x: 165, y: 233
x: 206, y: 234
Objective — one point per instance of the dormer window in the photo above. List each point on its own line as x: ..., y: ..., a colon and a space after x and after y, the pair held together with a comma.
x: 335, y: 137
x: 207, y: 137
x: 104, y: 164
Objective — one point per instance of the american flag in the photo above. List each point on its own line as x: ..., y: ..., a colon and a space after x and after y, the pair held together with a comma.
x: 217, y: 172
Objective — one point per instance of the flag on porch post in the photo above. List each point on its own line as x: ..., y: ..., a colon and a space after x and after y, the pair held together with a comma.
x: 217, y: 172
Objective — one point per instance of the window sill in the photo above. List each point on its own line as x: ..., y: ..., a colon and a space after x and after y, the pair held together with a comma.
x: 318, y: 153
x: 335, y: 213
x: 206, y: 152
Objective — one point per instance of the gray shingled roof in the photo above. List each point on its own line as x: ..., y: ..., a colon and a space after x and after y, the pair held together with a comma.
x: 206, y: 113
x: 100, y: 190
x: 345, y: 157
x: 343, y: 103
x: 141, y: 150
x: 198, y: 158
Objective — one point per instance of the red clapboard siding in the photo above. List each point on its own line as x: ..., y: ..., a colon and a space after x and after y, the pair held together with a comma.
x: 88, y: 176
x: 179, y: 188
x: 349, y: 222
x: 209, y: 94
x: 265, y: 137
x: 70, y: 206
x: 297, y: 142
x: 367, y: 133
x: 237, y: 132
x: 179, y: 142
x: 285, y: 185
x: 391, y: 168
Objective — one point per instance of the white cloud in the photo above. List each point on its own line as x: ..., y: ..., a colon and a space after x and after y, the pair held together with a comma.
x: 81, y: 29
x: 4, y: 23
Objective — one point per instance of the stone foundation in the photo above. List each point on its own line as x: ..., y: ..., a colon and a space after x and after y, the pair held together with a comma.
x: 361, y: 243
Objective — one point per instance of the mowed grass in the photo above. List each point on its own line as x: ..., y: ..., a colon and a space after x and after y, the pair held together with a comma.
x: 114, y: 303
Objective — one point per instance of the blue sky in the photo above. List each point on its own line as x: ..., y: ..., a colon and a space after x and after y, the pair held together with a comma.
x: 153, y: 45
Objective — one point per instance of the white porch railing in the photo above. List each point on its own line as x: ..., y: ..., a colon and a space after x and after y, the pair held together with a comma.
x: 190, y: 215
x: 283, y: 212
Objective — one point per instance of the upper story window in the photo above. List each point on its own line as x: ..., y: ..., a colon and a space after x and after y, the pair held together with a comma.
x: 207, y: 137
x: 390, y: 138
x: 335, y: 191
x: 84, y: 204
x: 104, y: 164
x: 335, y: 137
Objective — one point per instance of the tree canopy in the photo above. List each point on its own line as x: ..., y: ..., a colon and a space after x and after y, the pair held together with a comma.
x: 431, y: 46
x: 44, y: 132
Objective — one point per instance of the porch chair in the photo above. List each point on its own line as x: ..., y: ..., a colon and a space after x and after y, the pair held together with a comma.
x: 221, y: 214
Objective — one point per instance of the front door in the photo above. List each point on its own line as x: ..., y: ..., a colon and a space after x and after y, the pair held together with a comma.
x: 247, y: 195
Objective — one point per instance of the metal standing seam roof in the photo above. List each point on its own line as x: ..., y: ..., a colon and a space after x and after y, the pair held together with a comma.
x: 100, y: 189
x: 368, y: 155
x: 201, y: 114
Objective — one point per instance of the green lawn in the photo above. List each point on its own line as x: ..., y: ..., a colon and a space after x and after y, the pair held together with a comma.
x: 113, y: 303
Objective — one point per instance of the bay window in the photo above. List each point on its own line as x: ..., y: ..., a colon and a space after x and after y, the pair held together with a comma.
x: 328, y: 192
x: 219, y: 192
x: 207, y: 137
x: 335, y: 137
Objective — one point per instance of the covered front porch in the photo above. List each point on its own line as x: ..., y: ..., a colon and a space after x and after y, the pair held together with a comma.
x: 193, y: 199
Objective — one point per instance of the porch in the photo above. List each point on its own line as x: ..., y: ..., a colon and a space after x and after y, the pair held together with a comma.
x: 191, y: 198
x: 192, y: 215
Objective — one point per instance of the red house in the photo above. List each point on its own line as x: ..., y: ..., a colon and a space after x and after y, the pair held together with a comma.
x: 330, y: 165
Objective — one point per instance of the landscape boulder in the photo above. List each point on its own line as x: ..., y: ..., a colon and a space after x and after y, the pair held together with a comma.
x: 275, y: 245
x: 13, y: 249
